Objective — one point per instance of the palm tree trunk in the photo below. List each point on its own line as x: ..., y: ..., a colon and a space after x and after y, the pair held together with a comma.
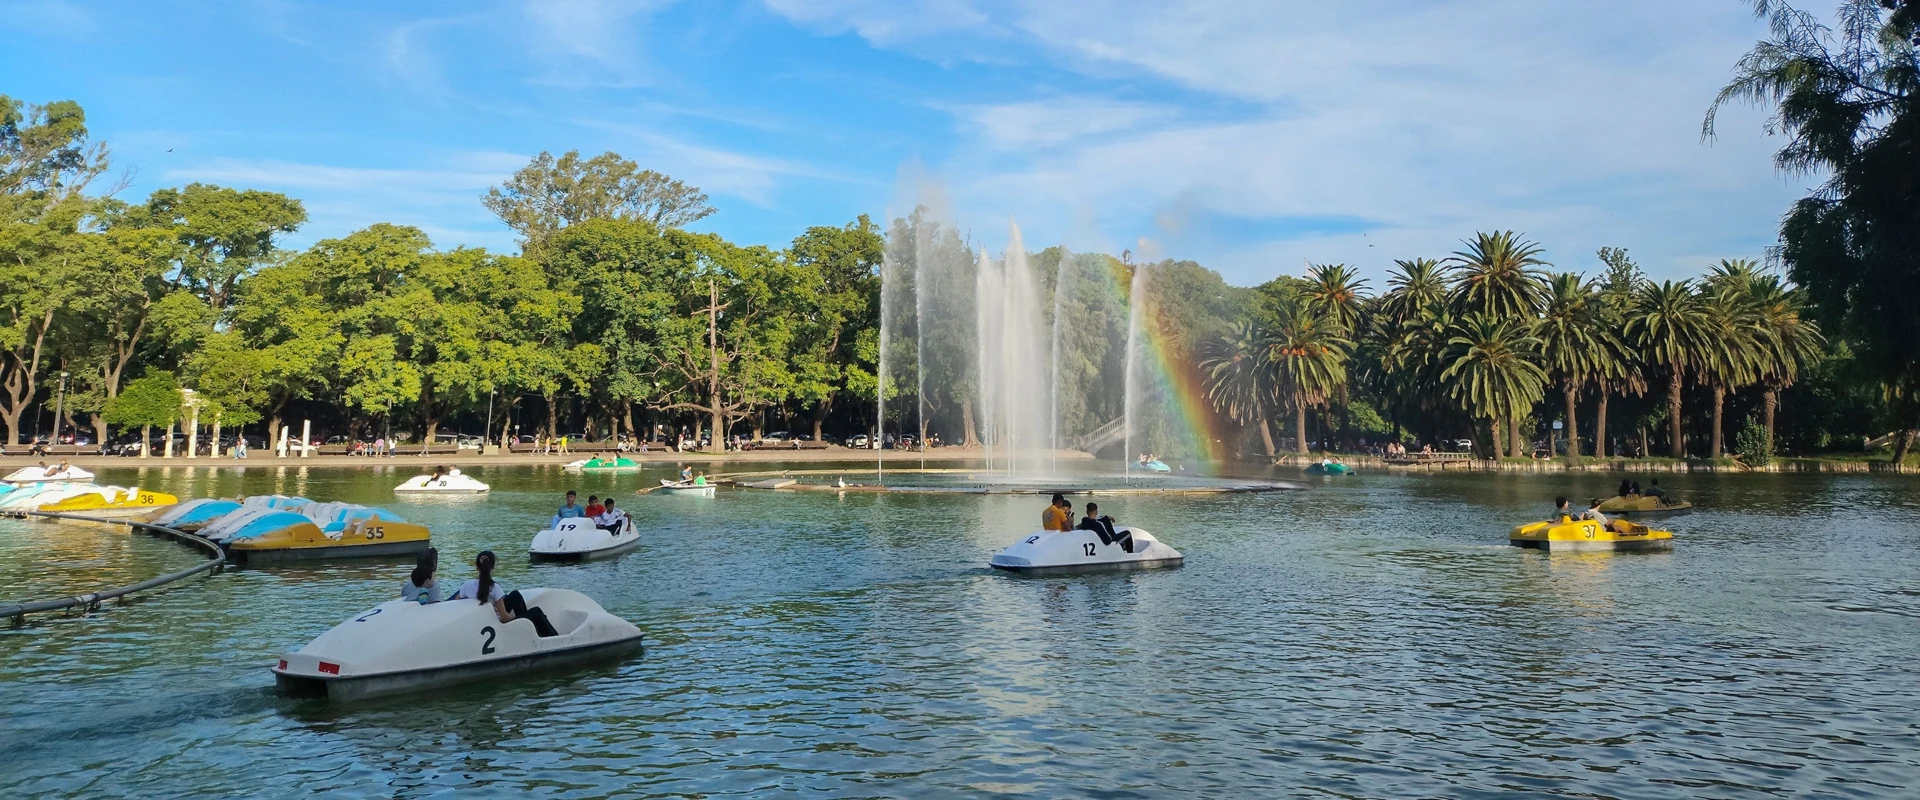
x: 1719, y: 403
x: 1519, y: 447
x: 1573, y: 423
x: 1299, y: 427
x: 1600, y: 425
x: 1266, y: 433
x: 1768, y: 407
x: 1497, y: 431
x: 1678, y: 445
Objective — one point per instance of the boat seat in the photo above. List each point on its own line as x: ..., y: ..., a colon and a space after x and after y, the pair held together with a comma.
x: 565, y: 622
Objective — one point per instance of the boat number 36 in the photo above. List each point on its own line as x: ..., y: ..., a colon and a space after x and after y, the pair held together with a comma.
x: 376, y: 532
x: 486, y: 647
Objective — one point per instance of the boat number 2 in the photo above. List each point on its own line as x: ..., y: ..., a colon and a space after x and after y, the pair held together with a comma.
x: 366, y: 616
x: 1032, y: 539
x: 1088, y: 546
x: 486, y: 647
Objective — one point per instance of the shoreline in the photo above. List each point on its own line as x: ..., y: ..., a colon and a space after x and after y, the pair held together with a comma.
x: 473, y: 458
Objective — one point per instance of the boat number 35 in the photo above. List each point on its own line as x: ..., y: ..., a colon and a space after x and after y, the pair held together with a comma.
x: 376, y: 532
x: 486, y: 647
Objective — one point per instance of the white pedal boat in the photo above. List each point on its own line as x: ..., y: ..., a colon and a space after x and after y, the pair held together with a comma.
x: 402, y: 646
x: 451, y: 483
x: 32, y: 497
x: 25, y: 475
x: 1061, y: 552
x: 695, y: 489
x: 578, y: 539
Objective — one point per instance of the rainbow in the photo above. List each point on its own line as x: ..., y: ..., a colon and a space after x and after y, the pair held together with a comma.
x: 1171, y: 410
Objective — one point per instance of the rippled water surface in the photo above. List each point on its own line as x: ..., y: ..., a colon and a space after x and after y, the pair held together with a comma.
x: 1371, y: 636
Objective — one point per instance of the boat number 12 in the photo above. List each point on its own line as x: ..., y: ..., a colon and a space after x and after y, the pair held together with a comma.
x: 486, y: 647
x: 1088, y: 546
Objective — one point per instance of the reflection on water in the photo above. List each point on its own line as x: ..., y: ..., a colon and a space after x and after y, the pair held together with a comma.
x: 1370, y: 637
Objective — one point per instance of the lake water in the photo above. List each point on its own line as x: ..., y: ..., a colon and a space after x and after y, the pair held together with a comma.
x: 1370, y: 636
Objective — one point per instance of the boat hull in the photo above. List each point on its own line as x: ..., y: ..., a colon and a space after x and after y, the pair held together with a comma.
x: 1587, y: 535
x: 1638, y: 545
x: 614, y: 551
x: 295, y: 555
x: 366, y: 687
x: 1081, y: 551
x: 1081, y: 569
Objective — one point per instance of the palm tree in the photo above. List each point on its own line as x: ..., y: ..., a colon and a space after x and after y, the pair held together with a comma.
x: 1499, y: 275
x: 1575, y: 344
x: 1239, y: 379
x: 1335, y: 292
x: 1491, y: 371
x: 1413, y: 288
x: 1667, y: 322
x: 1308, y: 354
x: 1791, y: 342
x: 1730, y: 350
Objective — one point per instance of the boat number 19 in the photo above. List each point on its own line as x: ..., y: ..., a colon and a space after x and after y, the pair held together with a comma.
x: 1088, y: 546
x: 486, y: 647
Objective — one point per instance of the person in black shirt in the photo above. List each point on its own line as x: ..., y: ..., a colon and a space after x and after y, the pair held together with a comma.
x: 1103, y: 528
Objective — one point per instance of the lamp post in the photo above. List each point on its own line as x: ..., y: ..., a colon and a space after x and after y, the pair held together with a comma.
x: 59, y: 408
x: 487, y: 435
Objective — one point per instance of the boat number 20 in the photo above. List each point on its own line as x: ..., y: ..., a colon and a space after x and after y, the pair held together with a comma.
x: 486, y: 647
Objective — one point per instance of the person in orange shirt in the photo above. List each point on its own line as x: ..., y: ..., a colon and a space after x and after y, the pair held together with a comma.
x: 1058, y: 516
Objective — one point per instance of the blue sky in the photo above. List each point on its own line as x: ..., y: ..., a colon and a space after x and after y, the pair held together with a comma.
x: 1250, y: 137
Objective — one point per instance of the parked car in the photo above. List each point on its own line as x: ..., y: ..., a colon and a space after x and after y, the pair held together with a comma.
x: 859, y: 441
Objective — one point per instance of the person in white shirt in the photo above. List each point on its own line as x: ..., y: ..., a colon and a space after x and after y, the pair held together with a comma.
x: 508, y: 606
x: 611, y: 519
x: 1593, y: 513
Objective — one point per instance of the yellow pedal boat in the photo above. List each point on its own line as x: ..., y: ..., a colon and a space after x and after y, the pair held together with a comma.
x: 1576, y: 534
x: 113, y: 503
x: 342, y: 532
x: 1640, y: 504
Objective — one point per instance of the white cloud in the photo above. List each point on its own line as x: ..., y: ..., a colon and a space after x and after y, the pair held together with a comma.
x: 1578, y: 124
x: 1046, y: 123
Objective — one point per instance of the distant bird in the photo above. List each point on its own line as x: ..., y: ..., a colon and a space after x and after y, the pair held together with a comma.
x: 169, y: 149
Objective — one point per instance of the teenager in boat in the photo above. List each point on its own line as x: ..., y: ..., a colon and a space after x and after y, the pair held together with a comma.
x: 594, y: 508
x: 420, y: 586
x: 1103, y: 527
x: 1058, y: 515
x: 1593, y: 513
x: 1561, y: 511
x: 686, y: 473
x: 1654, y: 490
x: 610, y: 518
x: 508, y: 606
x: 570, y: 509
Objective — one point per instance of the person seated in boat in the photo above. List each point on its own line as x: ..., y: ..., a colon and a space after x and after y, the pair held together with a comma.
x: 594, y: 508
x: 1561, y: 511
x: 420, y: 586
x: 439, y: 476
x: 1103, y: 528
x: 610, y: 518
x: 1615, y: 525
x: 686, y: 473
x: 46, y: 471
x: 63, y: 470
x: 1058, y: 515
x: 1654, y: 491
x: 700, y: 479
x: 1626, y: 487
x: 571, y: 508
x: 507, y: 606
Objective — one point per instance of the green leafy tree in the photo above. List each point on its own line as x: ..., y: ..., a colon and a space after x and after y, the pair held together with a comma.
x: 1845, y: 102
x: 151, y: 401
x: 225, y: 234
x: 549, y: 194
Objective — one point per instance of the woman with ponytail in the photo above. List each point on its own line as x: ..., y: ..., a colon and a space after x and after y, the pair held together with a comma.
x: 508, y: 606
